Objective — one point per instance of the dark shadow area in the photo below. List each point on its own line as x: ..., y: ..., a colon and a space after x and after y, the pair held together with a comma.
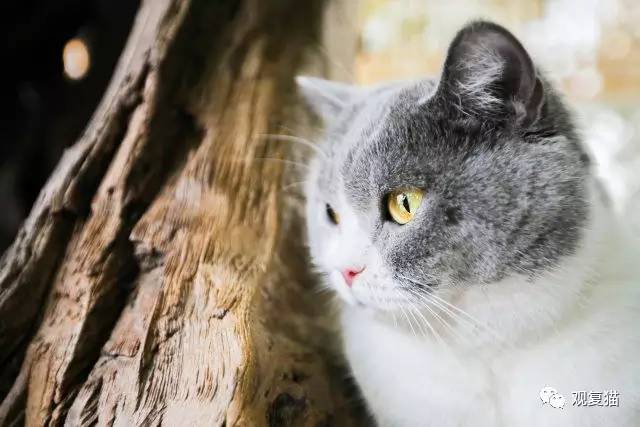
x: 43, y: 109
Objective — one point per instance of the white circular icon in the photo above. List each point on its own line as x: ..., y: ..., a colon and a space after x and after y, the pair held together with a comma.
x: 546, y: 393
x: 557, y: 401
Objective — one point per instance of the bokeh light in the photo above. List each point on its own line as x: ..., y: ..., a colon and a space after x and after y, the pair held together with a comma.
x: 590, y: 49
x: 76, y: 59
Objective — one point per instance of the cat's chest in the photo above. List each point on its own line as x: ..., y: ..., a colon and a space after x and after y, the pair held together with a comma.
x: 403, y: 378
x: 409, y: 382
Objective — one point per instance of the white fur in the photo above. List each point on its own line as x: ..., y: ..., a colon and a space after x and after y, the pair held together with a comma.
x: 573, y: 329
x: 483, y: 67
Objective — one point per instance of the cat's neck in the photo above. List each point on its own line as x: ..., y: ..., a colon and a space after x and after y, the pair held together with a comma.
x: 524, y: 308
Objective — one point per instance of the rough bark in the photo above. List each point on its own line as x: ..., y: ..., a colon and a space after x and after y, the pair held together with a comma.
x: 160, y: 278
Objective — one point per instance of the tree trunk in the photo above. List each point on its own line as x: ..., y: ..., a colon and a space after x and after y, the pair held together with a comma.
x: 160, y: 278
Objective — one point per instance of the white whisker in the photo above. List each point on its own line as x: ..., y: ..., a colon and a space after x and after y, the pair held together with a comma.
x: 409, y: 322
x: 434, y: 333
x: 292, y: 184
x: 296, y: 139
x: 425, y: 303
x: 467, y: 317
x: 285, y: 161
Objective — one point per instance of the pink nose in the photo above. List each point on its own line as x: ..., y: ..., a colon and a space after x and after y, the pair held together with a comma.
x: 350, y: 274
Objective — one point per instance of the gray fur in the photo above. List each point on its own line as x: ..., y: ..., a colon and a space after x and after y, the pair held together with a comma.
x: 504, y: 174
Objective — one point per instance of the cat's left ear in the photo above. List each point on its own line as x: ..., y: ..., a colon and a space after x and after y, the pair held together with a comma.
x: 325, y: 97
x: 489, y: 74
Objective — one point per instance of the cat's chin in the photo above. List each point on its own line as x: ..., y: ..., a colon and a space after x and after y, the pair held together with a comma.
x: 373, y: 304
x: 347, y: 299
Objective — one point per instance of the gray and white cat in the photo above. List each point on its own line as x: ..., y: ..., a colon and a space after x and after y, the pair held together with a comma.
x: 477, y: 262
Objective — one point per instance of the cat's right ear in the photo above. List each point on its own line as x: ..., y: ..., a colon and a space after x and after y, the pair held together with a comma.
x: 489, y: 74
x: 326, y: 98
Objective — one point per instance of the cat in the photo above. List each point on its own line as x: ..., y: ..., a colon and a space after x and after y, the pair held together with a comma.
x: 478, y: 265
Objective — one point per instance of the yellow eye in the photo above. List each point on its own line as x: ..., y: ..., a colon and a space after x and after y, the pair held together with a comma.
x: 403, y: 204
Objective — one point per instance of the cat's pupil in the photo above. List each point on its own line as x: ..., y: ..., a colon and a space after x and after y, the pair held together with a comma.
x: 405, y: 202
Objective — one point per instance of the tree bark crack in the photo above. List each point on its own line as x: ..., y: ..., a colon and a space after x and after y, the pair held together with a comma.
x: 169, y: 292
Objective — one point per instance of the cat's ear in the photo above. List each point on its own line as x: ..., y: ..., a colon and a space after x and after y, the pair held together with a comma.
x: 326, y: 98
x: 489, y: 74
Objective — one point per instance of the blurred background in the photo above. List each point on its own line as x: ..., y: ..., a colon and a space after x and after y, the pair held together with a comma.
x: 59, y: 56
x: 589, y: 48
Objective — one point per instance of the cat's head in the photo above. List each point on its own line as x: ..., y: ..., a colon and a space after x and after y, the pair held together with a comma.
x: 462, y: 180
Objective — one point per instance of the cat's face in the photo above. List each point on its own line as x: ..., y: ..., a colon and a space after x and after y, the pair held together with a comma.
x: 429, y: 185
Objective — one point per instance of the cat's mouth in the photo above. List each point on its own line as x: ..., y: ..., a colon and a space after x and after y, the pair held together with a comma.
x: 389, y: 297
x: 379, y: 291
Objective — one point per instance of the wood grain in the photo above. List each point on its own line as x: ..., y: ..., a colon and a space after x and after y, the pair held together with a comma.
x: 161, y: 278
